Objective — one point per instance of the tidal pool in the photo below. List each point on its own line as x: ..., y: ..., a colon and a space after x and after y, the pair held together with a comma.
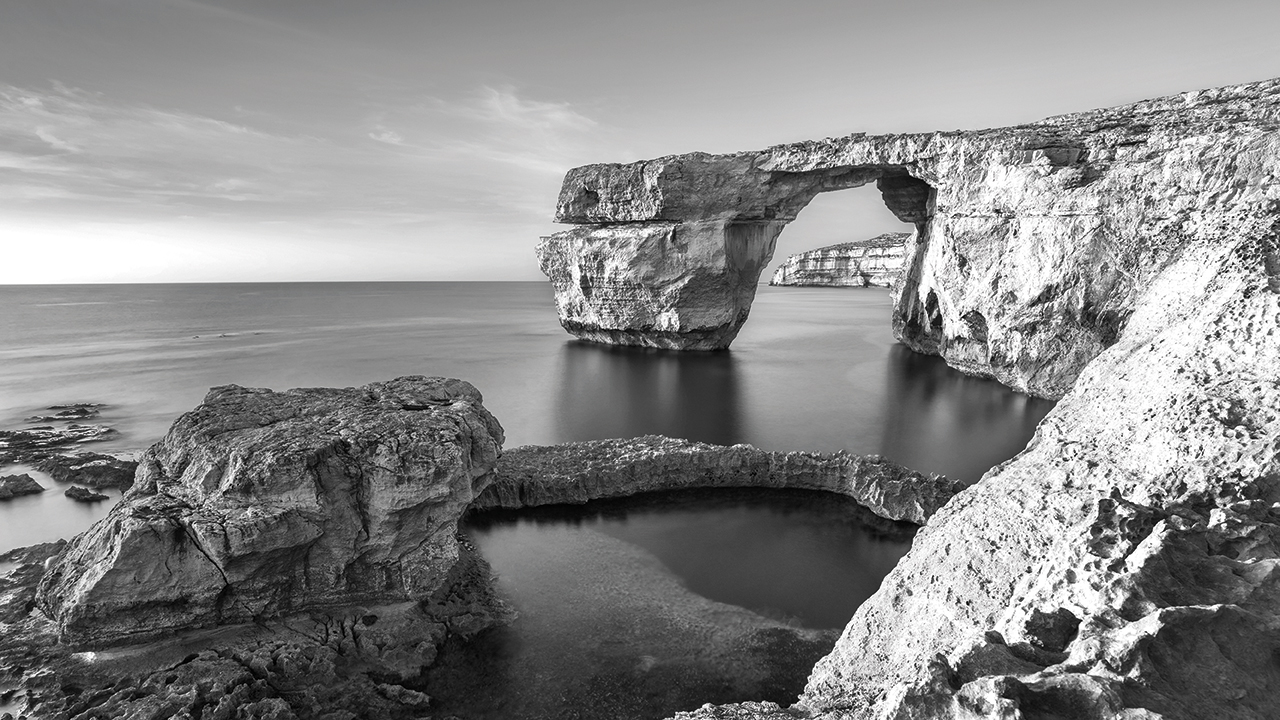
x: 641, y: 607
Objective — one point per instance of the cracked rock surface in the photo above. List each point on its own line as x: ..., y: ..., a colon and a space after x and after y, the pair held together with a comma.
x: 259, y: 504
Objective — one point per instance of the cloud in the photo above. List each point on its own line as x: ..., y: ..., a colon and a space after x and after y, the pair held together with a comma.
x: 389, y: 137
x: 436, y: 175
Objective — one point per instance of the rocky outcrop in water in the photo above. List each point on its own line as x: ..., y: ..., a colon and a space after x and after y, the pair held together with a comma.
x: 42, y: 441
x: 12, y: 486
x: 84, y: 495
x: 876, y: 262
x: 1034, y: 244
x: 96, y: 470
x: 283, y: 554
x: 579, y: 472
x: 260, y: 504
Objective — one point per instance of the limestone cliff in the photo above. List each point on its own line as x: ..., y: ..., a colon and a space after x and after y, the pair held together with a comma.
x: 583, y: 471
x: 1126, y: 565
x: 1033, y: 246
x: 260, y: 504
x: 876, y: 262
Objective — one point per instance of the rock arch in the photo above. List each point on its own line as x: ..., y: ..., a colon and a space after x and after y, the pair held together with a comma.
x: 676, y: 263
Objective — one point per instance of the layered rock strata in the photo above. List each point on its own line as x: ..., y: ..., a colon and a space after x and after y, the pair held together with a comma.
x: 876, y: 262
x: 260, y: 504
x: 1033, y: 246
x: 579, y: 472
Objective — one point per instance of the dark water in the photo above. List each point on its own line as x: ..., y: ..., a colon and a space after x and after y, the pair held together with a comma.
x: 629, y: 609
x: 672, y: 600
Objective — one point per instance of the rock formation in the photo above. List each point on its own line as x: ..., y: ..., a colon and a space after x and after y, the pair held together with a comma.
x: 579, y: 472
x: 12, y: 486
x: 264, y: 504
x: 876, y: 262
x: 84, y: 495
x: 1033, y: 245
x: 1125, y: 564
x: 90, y: 469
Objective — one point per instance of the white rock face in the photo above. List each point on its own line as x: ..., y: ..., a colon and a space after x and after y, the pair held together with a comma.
x: 1033, y: 245
x: 876, y: 262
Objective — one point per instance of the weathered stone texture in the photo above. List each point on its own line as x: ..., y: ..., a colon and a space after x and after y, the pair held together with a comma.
x: 876, y: 262
x: 1034, y: 243
x: 259, y: 504
x: 579, y: 472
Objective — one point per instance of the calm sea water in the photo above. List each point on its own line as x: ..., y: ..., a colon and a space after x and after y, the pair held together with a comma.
x: 652, y: 603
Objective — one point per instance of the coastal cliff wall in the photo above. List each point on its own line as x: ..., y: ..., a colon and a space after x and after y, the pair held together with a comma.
x: 1033, y: 245
x: 876, y: 262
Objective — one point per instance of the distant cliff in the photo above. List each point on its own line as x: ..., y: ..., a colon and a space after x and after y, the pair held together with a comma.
x: 876, y: 262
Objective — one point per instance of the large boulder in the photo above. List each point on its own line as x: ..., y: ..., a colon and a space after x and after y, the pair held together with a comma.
x: 259, y: 504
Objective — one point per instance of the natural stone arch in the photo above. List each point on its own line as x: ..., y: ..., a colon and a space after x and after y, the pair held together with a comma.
x: 681, y: 272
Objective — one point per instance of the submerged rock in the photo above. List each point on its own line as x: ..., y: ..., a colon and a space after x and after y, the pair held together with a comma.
x: 67, y: 413
x: 12, y: 486
x: 94, y: 470
x: 876, y: 262
x: 260, y: 504
x: 583, y: 471
x: 84, y: 495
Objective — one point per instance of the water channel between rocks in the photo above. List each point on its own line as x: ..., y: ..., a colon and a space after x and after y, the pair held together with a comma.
x: 641, y: 607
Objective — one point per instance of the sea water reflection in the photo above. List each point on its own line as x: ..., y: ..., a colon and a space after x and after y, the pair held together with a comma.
x: 926, y: 415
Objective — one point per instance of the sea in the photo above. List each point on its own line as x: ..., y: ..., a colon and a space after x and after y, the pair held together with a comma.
x: 658, y: 603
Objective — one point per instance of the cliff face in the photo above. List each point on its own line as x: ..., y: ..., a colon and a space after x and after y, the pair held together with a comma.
x: 1034, y: 244
x: 876, y: 262
x: 260, y: 504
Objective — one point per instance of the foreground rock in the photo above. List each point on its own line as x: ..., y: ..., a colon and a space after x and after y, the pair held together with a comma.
x: 12, y: 486
x: 283, y: 554
x: 579, y: 472
x: 95, y: 470
x: 876, y: 262
x: 263, y: 504
x: 1034, y: 244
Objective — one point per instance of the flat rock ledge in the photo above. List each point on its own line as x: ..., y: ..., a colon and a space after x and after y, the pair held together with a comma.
x: 573, y: 473
x: 281, y: 555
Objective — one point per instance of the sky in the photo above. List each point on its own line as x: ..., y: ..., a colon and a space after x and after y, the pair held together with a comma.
x: 318, y: 140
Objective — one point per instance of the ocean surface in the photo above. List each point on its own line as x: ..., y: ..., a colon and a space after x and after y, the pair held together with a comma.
x: 652, y: 602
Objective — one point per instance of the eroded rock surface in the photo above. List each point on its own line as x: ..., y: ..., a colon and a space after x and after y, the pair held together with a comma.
x: 12, y: 486
x: 1034, y: 244
x: 1125, y: 564
x: 579, y: 472
x: 260, y: 504
x: 96, y: 470
x: 876, y: 262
